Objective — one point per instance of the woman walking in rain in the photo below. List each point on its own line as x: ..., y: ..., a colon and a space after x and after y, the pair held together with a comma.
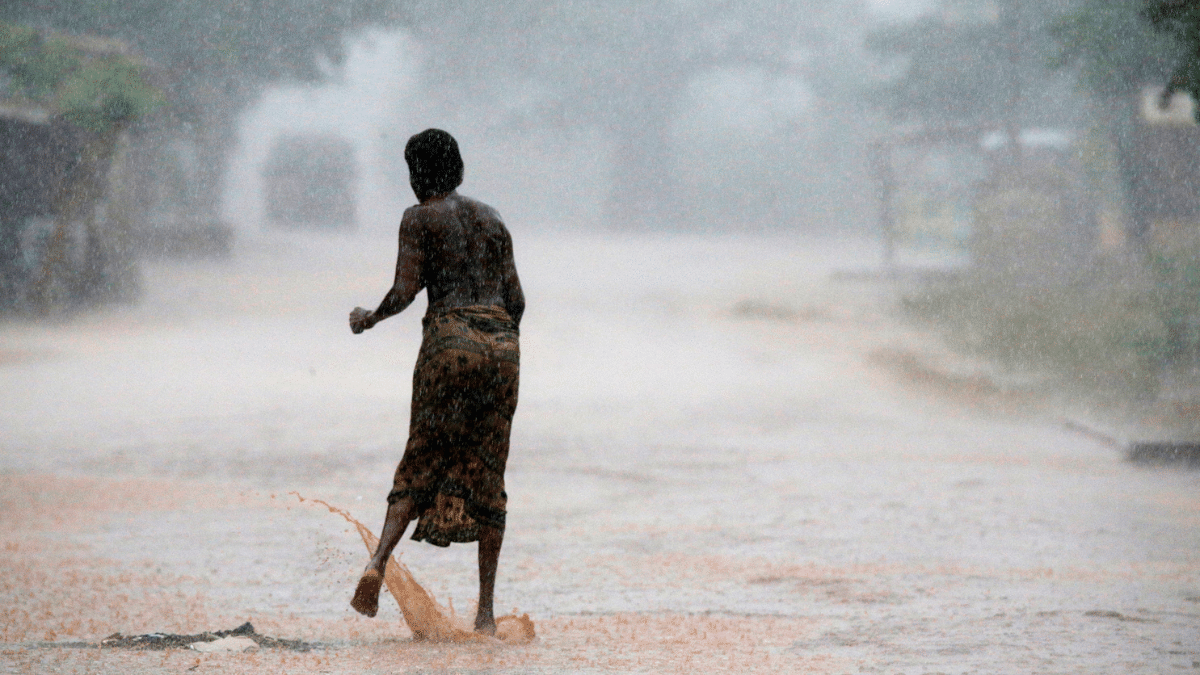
x: 451, y: 477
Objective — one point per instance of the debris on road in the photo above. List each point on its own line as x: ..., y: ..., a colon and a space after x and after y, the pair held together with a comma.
x: 1187, y: 454
x: 244, y: 637
x: 1109, y: 614
x: 226, y: 644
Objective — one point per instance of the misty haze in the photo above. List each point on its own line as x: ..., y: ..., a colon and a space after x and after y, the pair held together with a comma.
x: 858, y: 336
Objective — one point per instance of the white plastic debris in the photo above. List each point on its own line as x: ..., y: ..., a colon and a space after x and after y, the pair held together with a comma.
x: 227, y: 644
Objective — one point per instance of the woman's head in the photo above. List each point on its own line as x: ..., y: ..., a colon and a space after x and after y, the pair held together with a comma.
x: 434, y: 165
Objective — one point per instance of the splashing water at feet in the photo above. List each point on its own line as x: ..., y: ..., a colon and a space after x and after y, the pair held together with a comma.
x: 427, y: 619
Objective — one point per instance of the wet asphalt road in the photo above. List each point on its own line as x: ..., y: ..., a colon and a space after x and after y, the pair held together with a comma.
x: 712, y: 436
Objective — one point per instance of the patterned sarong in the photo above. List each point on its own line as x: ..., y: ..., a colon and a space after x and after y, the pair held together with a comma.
x: 464, y: 396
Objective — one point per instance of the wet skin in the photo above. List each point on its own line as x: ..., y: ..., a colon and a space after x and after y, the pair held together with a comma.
x: 466, y: 260
x: 460, y: 252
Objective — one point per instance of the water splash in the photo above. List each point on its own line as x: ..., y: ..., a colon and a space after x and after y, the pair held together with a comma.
x: 426, y: 618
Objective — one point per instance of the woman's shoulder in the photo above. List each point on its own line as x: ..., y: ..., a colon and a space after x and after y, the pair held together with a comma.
x: 478, y: 209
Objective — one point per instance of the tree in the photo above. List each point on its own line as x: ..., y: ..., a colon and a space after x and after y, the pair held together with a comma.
x: 95, y: 91
x: 624, y: 67
x: 1115, y: 48
x: 1118, y: 52
x: 217, y: 54
x: 1180, y: 20
x: 92, y: 90
x: 974, y: 64
x: 620, y: 67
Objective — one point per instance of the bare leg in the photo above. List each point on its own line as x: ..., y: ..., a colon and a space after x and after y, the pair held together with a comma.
x: 490, y: 539
x: 366, y: 595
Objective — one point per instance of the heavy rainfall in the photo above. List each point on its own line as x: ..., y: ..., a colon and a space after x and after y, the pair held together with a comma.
x: 861, y: 336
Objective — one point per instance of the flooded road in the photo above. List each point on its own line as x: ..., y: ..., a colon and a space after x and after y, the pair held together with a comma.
x: 716, y: 465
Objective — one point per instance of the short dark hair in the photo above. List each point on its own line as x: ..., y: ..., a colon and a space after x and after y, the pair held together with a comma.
x: 434, y: 164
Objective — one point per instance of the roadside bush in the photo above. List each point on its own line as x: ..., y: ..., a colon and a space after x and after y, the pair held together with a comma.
x: 1105, y: 334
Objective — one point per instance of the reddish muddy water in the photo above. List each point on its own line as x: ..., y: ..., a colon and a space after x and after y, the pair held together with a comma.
x: 424, y: 616
x: 724, y: 459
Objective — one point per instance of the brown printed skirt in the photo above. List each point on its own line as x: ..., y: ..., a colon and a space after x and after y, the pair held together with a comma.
x: 463, y: 400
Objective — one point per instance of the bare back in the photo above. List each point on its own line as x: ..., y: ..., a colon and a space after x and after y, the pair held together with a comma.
x: 459, y: 250
x: 467, y: 252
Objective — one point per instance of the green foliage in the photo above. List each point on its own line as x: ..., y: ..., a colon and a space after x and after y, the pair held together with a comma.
x: 211, y: 47
x: 1102, y: 336
x: 105, y: 92
x: 1114, y: 45
x: 213, y: 57
x: 1180, y: 21
x: 94, y: 92
x: 1177, y: 298
x: 35, y: 67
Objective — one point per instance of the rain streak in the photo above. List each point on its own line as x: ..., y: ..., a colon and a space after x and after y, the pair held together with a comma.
x: 857, y: 336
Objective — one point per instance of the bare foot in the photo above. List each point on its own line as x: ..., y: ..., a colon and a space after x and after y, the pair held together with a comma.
x: 485, y: 624
x: 366, y: 596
